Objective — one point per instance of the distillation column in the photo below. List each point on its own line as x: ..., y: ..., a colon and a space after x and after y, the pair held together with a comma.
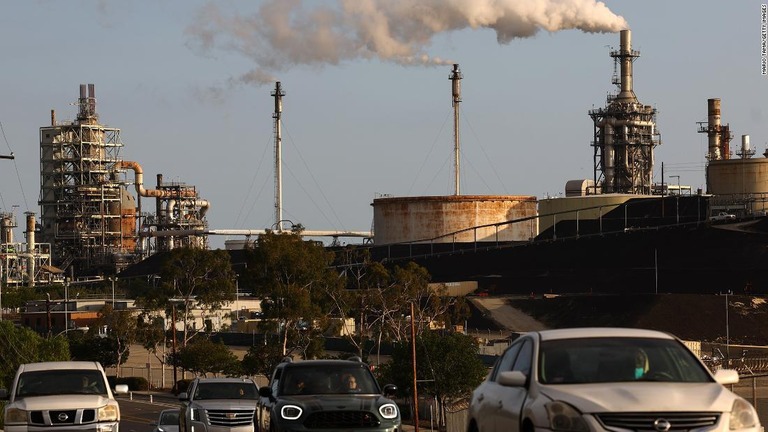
x: 625, y: 133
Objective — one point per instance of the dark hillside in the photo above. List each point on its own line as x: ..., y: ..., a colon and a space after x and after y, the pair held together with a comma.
x: 687, y: 316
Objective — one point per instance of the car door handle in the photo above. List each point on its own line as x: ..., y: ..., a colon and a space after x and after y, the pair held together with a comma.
x: 501, y: 403
x: 480, y: 398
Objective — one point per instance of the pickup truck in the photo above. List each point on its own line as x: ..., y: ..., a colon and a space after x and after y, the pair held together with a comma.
x: 67, y: 395
x: 219, y: 405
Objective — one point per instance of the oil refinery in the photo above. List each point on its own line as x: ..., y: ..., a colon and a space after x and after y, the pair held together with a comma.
x: 617, y: 231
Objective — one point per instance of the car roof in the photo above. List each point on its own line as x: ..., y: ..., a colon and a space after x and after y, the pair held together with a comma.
x: 225, y: 380
x: 596, y: 332
x: 321, y: 363
x: 61, y: 365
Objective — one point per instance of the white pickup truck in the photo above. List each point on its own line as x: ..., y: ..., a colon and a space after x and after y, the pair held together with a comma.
x: 68, y: 395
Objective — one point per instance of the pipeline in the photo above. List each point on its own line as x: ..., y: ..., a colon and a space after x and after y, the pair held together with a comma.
x: 154, y: 193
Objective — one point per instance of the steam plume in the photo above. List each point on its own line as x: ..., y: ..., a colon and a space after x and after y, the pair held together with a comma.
x: 285, y: 33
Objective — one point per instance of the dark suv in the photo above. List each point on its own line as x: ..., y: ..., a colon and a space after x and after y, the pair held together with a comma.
x: 330, y: 395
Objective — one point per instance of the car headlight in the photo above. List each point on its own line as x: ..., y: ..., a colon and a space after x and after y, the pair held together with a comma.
x: 195, y: 414
x: 388, y: 411
x: 290, y: 412
x: 108, y: 413
x: 563, y: 417
x: 15, y: 415
x: 742, y: 415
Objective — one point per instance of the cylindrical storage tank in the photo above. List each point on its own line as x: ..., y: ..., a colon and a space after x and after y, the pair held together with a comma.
x: 737, y: 176
x: 447, y: 219
x: 128, y: 220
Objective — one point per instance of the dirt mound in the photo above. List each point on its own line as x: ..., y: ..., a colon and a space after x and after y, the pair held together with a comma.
x: 702, y: 317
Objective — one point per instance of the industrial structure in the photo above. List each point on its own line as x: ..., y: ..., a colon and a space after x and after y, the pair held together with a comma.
x: 625, y: 133
x: 455, y: 218
x: 88, y: 215
x: 739, y: 185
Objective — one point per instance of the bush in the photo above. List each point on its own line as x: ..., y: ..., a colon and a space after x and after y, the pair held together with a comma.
x: 134, y: 383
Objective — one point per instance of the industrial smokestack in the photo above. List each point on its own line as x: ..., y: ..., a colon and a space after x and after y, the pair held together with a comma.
x: 31, y: 248
x: 456, y: 93
x: 713, y: 127
x: 278, y: 95
x: 625, y: 56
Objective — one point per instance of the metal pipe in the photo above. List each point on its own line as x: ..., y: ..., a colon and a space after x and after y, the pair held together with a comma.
x: 31, y: 248
x: 154, y: 193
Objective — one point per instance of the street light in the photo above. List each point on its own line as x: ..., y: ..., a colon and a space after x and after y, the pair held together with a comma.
x: 113, y: 279
x: 66, y: 305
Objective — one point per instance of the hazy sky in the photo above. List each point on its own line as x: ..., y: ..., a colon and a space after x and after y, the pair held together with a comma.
x: 368, y: 109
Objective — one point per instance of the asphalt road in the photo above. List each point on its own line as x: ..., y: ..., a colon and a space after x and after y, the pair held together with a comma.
x: 137, y: 415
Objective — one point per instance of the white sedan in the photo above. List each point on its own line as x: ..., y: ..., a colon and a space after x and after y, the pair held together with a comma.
x: 606, y: 379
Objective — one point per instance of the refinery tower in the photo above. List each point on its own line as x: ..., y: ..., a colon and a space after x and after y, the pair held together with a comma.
x: 94, y: 224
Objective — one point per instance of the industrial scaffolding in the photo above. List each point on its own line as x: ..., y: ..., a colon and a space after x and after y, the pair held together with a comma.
x: 86, y: 214
x: 625, y: 133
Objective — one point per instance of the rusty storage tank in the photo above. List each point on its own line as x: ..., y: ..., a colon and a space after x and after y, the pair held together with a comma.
x: 446, y: 219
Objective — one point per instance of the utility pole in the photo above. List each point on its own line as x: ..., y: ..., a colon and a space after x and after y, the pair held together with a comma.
x: 413, y: 360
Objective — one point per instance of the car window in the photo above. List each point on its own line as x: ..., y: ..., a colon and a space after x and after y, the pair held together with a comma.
x: 225, y: 390
x: 616, y: 359
x: 523, y: 360
x: 327, y: 379
x: 56, y: 382
x: 169, y: 418
x: 506, y: 361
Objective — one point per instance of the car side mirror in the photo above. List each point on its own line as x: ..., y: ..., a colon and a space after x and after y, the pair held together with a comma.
x: 390, y: 390
x: 121, y: 389
x: 3, y: 394
x: 183, y: 396
x: 512, y: 379
x: 727, y: 376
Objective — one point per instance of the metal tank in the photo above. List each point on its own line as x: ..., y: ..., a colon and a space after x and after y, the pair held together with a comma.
x: 739, y: 185
x: 447, y: 219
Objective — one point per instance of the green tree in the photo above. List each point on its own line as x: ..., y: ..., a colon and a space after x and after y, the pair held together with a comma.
x: 198, y: 278
x: 203, y: 356
x: 262, y: 360
x: 122, y: 327
x: 293, y: 277
x: 91, y: 346
x: 19, y: 345
x: 151, y: 333
x: 447, y: 365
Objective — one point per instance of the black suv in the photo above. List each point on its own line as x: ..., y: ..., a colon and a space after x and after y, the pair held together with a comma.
x: 327, y: 394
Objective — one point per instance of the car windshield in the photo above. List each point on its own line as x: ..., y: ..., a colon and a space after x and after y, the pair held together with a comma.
x: 327, y: 379
x: 57, y: 382
x: 169, y: 417
x: 225, y: 390
x: 599, y: 360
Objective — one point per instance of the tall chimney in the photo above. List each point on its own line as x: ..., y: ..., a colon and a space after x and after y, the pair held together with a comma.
x: 456, y: 93
x: 713, y: 128
x: 625, y: 56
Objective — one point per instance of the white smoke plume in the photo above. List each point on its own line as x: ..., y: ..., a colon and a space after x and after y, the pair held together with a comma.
x: 286, y: 33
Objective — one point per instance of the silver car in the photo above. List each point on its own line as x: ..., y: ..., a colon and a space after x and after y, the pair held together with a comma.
x: 168, y: 421
x: 606, y: 379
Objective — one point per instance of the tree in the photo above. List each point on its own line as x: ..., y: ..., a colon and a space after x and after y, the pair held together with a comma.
x: 293, y: 277
x: 198, y: 278
x: 262, y: 360
x: 151, y: 333
x: 122, y: 327
x: 203, y: 356
x: 91, y: 346
x: 19, y: 345
x: 448, y: 366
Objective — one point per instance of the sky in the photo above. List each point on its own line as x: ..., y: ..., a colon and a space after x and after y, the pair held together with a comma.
x: 367, y: 107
